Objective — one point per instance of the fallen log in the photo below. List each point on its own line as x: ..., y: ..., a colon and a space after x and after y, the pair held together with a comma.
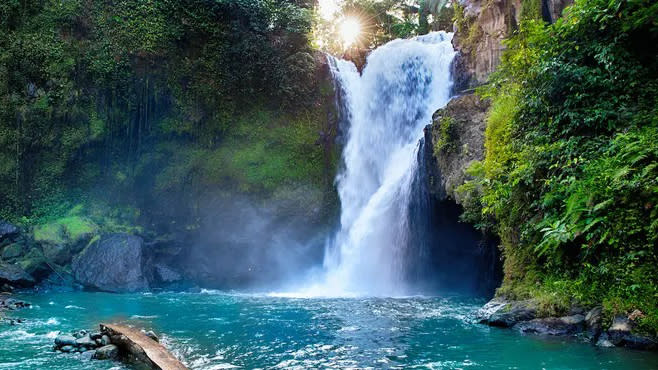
x: 140, y: 348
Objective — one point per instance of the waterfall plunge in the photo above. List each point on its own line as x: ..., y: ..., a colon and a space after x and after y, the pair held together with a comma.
x: 385, y: 109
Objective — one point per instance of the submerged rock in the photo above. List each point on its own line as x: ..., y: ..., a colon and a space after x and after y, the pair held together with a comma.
x: 112, y: 264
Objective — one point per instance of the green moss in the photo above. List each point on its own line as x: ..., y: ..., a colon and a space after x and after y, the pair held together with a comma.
x: 65, y: 230
x: 52, y: 233
x: 447, y: 137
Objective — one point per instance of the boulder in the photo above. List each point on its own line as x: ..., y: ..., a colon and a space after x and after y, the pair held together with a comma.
x: 65, y: 340
x: 7, y: 230
x: 112, y: 264
x: 108, y: 352
x: 85, y: 341
x: 14, y: 275
x: 593, y: 321
x: 12, y: 251
x: 557, y: 326
x: 501, y: 313
x: 62, y: 239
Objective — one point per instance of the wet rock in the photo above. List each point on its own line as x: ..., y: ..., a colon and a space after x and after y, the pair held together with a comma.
x: 113, y: 264
x: 501, y: 313
x: 604, y: 341
x: 14, y: 275
x: 556, y: 326
x: 67, y: 349
x: 108, y: 352
x: 621, y: 334
x: 86, y: 342
x: 88, y: 355
x: 105, y: 340
x: 65, y: 340
x: 593, y: 321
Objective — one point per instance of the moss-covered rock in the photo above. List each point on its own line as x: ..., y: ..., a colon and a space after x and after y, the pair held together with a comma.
x: 61, y: 239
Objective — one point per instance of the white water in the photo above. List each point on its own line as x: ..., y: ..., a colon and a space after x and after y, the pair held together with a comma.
x: 403, y: 84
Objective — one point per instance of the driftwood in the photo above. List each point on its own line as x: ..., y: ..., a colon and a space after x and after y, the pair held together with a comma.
x: 140, y: 348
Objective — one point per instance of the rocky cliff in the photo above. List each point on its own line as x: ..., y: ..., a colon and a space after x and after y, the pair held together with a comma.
x: 480, y: 28
x: 456, y: 141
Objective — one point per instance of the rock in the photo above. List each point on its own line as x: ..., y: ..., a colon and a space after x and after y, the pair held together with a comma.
x: 105, y: 340
x: 95, y: 335
x: 166, y: 274
x: 604, y: 341
x: 455, y: 147
x: 86, y: 342
x: 67, y: 349
x: 88, y: 355
x: 621, y: 334
x: 65, y: 340
x: 501, y: 313
x: 112, y: 264
x: 7, y: 230
x: 557, y: 326
x: 593, y: 321
x: 141, y: 348
x: 35, y: 264
x: 620, y: 328
x: 80, y: 333
x: 15, y: 276
x: 108, y: 352
x: 12, y: 251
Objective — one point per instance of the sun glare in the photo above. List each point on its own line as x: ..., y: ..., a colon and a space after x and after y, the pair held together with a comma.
x: 349, y: 30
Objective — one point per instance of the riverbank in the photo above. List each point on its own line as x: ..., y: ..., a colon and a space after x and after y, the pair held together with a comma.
x: 585, y: 324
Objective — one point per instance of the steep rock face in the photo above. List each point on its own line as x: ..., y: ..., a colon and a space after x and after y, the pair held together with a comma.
x: 456, y: 139
x: 478, y: 38
x: 112, y: 264
x: 481, y: 27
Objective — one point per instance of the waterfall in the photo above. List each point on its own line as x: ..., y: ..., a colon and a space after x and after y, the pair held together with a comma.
x: 385, y: 109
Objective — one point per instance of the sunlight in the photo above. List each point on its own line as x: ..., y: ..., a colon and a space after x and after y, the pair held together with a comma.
x: 328, y: 8
x: 349, y: 30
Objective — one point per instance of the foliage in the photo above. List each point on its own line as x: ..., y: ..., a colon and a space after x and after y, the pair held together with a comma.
x: 572, y: 158
x: 126, y: 99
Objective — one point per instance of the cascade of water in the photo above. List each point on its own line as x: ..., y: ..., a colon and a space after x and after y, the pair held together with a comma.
x: 403, y: 84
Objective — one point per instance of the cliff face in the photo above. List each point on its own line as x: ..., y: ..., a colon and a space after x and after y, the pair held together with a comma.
x: 482, y: 25
x: 456, y: 140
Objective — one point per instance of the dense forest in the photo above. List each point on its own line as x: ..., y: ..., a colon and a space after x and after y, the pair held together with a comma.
x: 135, y: 101
x: 569, y: 181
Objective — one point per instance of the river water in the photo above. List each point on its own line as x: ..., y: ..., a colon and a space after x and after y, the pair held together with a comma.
x: 216, y: 330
